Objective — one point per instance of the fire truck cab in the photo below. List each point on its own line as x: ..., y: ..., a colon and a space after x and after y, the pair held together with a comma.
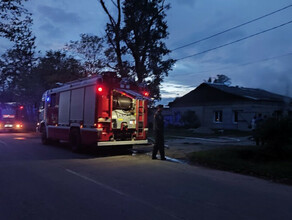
x: 100, y: 110
x: 12, y: 116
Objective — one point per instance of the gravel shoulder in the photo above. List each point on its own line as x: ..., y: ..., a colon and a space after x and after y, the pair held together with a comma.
x: 180, y: 147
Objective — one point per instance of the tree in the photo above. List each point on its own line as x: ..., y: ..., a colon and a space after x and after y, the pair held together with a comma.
x: 276, y: 134
x: 13, y: 18
x: 145, y: 28
x: 91, y: 50
x: 57, y: 67
x: 190, y: 119
x: 222, y: 79
x: 140, y: 36
x: 17, y: 62
x: 54, y: 69
x: 114, y: 38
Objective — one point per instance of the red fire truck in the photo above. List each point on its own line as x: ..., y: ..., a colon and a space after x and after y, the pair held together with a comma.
x: 12, y: 116
x: 100, y: 110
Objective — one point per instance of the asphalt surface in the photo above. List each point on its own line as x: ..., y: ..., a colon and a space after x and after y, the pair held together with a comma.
x: 51, y: 182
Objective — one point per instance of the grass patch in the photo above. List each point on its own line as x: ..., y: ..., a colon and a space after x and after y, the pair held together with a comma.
x: 173, y: 133
x: 250, y: 160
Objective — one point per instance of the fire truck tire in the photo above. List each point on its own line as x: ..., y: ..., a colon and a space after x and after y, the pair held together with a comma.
x: 75, y: 140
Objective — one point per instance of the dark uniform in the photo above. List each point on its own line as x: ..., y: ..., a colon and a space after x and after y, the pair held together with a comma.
x: 159, y: 134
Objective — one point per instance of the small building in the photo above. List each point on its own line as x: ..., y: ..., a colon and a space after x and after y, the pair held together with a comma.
x: 219, y: 106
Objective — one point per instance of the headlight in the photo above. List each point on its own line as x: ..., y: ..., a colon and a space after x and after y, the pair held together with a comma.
x: 18, y: 126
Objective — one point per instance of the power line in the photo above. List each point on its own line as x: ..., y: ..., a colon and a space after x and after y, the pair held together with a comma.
x: 237, y: 26
x: 247, y: 63
x: 241, y: 39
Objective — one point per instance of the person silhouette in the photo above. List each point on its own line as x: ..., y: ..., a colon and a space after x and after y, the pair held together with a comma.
x: 158, y: 128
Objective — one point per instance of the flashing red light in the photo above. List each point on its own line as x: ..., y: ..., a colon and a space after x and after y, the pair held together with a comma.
x: 146, y: 94
x: 99, y: 89
x: 21, y: 107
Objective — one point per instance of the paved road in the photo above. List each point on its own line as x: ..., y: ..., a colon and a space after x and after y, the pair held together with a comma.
x: 50, y: 182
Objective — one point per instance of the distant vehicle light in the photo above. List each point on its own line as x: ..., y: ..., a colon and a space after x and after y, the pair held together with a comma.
x: 21, y: 107
x: 99, y: 125
x: 146, y: 94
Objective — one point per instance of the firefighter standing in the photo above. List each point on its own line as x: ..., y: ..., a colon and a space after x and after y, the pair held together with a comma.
x: 159, y: 133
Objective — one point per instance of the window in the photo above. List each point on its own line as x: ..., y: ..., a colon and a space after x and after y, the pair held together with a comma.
x: 235, y: 117
x: 218, y: 116
x: 54, y: 100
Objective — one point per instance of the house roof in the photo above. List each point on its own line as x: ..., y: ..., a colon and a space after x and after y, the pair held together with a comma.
x: 251, y: 94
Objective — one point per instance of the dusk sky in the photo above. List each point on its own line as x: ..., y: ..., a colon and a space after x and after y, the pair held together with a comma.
x: 262, y: 61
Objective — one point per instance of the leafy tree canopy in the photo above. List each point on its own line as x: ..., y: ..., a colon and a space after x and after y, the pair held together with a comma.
x: 139, y: 38
x: 220, y: 79
x: 57, y: 67
x: 190, y: 119
x: 52, y: 70
x: 16, y: 63
x: 14, y: 18
x: 90, y: 50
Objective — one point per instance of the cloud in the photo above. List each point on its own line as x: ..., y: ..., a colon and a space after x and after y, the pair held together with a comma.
x: 51, y: 31
x: 58, y: 22
x: 205, y: 18
x: 172, y: 90
x: 187, y: 3
x: 59, y: 16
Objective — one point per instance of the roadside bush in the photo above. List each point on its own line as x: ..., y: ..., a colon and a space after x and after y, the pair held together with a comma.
x: 276, y: 134
x: 190, y: 119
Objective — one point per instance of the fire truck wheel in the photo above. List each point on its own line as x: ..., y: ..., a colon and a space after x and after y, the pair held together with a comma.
x: 75, y: 140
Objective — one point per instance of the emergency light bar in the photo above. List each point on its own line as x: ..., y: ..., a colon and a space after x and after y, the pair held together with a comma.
x: 8, y: 116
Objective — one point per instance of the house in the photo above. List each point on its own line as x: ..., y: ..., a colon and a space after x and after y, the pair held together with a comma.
x: 219, y: 106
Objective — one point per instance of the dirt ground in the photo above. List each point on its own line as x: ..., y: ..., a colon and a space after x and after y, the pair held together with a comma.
x: 180, y: 147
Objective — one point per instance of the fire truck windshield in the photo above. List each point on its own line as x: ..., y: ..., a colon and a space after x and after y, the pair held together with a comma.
x: 8, y: 113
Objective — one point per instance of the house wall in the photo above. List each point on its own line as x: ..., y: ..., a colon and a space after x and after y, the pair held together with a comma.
x: 245, y: 112
x: 170, y: 117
